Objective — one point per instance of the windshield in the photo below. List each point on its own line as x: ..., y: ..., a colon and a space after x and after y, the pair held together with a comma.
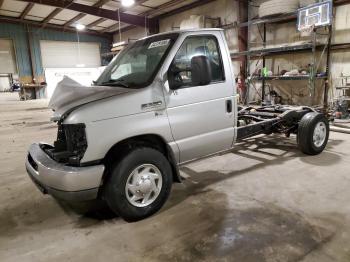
x: 137, y: 65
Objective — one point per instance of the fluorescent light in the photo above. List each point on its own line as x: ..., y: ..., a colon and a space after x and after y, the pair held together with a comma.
x: 128, y: 3
x: 80, y: 27
x: 119, y: 44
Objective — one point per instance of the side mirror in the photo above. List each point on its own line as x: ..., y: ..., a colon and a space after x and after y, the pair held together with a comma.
x: 173, y: 77
x: 201, y: 70
x: 200, y: 73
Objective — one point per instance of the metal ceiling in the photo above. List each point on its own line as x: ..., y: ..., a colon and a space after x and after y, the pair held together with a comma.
x: 97, y: 15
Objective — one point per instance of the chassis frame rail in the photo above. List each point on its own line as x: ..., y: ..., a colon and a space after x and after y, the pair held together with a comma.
x: 270, y: 119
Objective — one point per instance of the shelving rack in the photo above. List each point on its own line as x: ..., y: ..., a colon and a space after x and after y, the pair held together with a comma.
x: 264, y: 53
x: 344, y: 88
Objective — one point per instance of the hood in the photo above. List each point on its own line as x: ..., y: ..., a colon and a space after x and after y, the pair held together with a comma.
x: 70, y: 94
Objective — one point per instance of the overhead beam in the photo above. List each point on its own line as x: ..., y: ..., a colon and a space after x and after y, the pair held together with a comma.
x: 101, y: 3
x: 92, y: 10
x: 97, y: 22
x: 60, y: 28
x: 51, y: 15
x: 165, y: 6
x: 141, y: 3
x: 185, y: 8
x: 115, y: 27
x: 74, y: 19
x: 111, y: 28
x: 26, y: 10
x: 341, y: 2
x: 147, y: 13
x: 98, y: 4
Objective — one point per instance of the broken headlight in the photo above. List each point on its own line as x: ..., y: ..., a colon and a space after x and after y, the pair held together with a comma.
x: 70, y: 145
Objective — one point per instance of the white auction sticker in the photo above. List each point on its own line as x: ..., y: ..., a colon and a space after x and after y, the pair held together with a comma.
x: 159, y: 43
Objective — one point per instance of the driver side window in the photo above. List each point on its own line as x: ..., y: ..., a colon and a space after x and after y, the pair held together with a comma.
x: 196, y: 46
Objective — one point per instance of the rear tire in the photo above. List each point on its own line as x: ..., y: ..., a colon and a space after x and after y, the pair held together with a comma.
x: 313, y: 133
x: 139, y: 184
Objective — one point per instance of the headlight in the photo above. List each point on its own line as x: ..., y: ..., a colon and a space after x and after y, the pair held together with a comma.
x: 70, y: 145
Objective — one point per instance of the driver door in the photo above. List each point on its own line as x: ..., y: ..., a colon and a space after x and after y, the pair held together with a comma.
x: 201, y: 117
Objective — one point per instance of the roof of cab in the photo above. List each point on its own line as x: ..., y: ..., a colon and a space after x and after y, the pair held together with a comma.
x: 185, y: 31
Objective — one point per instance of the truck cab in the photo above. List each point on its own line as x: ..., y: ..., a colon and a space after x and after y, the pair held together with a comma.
x: 164, y: 101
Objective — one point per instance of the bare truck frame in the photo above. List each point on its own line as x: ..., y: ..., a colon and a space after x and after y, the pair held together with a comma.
x: 286, y: 120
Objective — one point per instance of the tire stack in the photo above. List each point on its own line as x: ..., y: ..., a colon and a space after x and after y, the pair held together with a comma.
x: 277, y: 7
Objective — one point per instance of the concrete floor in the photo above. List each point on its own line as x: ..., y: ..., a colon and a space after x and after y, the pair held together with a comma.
x: 265, y: 201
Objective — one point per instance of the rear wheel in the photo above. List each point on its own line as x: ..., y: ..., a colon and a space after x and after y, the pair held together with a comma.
x: 313, y: 133
x: 139, y: 184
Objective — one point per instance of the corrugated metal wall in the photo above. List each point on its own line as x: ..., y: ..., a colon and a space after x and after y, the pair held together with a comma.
x: 18, y: 33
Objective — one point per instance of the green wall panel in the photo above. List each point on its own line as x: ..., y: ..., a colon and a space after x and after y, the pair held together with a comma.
x: 18, y: 33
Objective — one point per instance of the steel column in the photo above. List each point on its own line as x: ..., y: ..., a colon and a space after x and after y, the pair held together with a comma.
x: 243, y: 42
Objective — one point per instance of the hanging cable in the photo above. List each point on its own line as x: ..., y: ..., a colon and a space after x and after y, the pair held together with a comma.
x: 120, y: 33
x: 146, y: 26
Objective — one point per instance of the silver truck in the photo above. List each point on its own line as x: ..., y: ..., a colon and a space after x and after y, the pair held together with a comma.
x: 164, y: 101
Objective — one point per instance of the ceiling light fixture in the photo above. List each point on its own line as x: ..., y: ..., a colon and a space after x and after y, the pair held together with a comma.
x: 80, y: 27
x: 128, y: 3
x: 119, y: 44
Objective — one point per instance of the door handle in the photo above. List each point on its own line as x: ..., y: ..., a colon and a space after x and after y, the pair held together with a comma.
x: 229, y: 106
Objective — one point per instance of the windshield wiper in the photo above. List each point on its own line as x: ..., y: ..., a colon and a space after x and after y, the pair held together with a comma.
x: 118, y: 82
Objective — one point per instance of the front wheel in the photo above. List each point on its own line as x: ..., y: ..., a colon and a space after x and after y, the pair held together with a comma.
x: 313, y: 133
x: 139, y: 184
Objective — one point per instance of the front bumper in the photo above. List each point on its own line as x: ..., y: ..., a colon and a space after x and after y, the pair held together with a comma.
x: 61, y: 181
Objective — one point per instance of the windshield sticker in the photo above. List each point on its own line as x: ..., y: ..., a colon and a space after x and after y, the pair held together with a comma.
x: 159, y: 43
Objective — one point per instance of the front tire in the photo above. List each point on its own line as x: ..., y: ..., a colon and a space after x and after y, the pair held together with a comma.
x: 139, y: 184
x: 313, y: 133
